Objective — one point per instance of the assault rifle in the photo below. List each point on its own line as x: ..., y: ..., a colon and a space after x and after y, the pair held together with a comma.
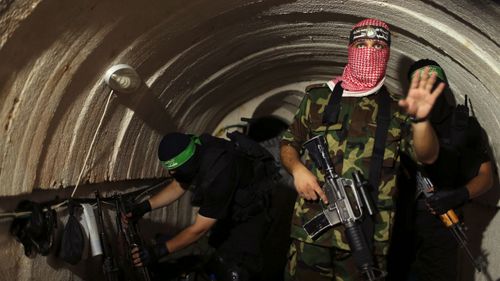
x: 347, y: 200
x: 109, y: 265
x: 451, y: 221
x: 132, y: 239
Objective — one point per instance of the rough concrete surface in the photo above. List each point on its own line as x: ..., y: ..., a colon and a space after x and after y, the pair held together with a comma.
x: 202, y: 63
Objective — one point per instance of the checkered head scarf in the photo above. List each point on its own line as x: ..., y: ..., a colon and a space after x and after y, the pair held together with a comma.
x: 366, y: 66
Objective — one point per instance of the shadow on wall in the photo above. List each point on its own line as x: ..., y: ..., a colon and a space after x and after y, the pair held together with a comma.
x: 149, y: 108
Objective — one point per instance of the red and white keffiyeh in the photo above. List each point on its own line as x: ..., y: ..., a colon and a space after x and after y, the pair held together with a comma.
x: 365, y: 66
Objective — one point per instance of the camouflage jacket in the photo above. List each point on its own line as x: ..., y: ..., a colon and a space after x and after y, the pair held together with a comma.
x: 350, y: 143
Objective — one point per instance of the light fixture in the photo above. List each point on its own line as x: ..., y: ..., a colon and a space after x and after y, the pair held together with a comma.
x: 122, y: 78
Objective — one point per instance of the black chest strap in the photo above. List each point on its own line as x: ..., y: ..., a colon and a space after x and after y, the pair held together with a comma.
x: 331, y: 115
x: 383, y: 120
x: 332, y: 110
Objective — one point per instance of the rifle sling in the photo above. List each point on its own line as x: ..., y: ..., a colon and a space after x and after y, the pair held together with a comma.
x: 331, y: 114
x: 383, y: 120
x: 332, y: 110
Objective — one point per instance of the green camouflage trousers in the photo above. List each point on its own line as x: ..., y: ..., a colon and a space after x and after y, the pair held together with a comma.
x: 309, y: 262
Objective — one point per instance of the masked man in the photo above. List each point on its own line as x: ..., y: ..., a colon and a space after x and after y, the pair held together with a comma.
x: 230, y: 186
x: 366, y: 131
x: 462, y: 171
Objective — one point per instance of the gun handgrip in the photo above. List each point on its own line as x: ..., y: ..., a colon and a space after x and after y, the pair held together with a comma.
x: 450, y: 218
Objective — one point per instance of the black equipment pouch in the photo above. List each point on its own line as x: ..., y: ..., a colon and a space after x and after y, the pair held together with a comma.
x: 35, y: 232
x: 72, y: 242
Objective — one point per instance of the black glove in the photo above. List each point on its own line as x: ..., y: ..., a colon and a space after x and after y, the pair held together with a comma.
x: 138, y: 210
x: 445, y: 200
x: 142, y: 256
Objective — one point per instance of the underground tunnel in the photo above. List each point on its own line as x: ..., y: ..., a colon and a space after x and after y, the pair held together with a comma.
x: 202, y: 66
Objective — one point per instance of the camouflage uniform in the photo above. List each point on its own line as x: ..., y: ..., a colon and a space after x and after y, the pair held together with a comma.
x: 350, y: 142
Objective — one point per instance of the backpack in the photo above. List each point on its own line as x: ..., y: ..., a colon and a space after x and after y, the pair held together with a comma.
x: 254, y: 151
x: 254, y: 197
x: 253, y: 192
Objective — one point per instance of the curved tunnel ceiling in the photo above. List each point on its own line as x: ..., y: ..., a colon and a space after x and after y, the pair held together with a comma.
x: 199, y: 60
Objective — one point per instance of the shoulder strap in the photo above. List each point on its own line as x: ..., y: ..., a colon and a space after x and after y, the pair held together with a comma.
x: 331, y: 114
x: 214, y: 160
x: 383, y: 120
x: 332, y: 110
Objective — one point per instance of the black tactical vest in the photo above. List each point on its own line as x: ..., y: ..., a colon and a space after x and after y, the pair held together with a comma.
x: 257, y: 173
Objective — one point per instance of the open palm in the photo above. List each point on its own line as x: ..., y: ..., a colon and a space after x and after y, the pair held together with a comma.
x: 420, y: 99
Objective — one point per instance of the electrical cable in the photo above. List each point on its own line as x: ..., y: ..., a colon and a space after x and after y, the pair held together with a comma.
x: 92, y: 144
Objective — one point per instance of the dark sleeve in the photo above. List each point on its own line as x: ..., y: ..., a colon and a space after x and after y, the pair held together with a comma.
x: 184, y: 186
x: 475, y: 153
x: 444, y: 172
x: 476, y: 150
x: 483, y: 147
x: 217, y: 197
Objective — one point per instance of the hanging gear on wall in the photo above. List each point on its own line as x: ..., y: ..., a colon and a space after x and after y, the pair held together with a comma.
x: 72, y: 243
x: 36, y: 231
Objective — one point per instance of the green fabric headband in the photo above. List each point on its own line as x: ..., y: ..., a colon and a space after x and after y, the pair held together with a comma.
x: 432, y: 68
x: 182, y: 157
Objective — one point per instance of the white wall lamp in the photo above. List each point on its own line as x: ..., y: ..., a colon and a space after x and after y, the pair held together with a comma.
x: 122, y: 78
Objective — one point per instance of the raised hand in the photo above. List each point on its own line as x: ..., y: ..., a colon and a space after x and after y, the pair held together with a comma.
x: 420, y: 99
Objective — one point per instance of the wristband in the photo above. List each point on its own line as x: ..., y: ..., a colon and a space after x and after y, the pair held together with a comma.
x: 140, y: 209
x: 145, y: 206
x: 160, y: 250
x: 415, y: 120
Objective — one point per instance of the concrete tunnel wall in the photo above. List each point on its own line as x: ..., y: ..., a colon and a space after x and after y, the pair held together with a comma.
x: 203, y: 64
